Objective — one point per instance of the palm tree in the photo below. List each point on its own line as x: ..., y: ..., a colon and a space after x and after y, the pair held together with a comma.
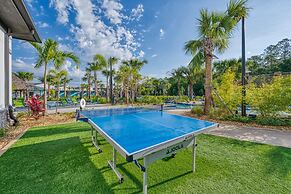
x: 65, y: 81
x: 111, y: 62
x: 123, y: 77
x: 48, y: 53
x: 214, y: 33
x: 58, y: 76
x: 25, y: 76
x: 193, y: 72
x: 88, y: 77
x: 98, y: 64
x: 177, y: 74
x: 135, y: 66
x: 106, y: 73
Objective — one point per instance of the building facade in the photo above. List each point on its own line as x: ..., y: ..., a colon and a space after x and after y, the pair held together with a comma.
x: 15, y: 22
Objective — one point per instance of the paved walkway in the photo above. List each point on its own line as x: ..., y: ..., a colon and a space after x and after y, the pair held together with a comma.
x: 261, y: 135
x: 254, y: 134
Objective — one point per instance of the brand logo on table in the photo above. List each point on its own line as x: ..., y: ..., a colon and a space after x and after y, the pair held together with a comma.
x: 174, y: 148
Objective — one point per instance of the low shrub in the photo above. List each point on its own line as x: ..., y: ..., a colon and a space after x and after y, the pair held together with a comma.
x: 273, y: 121
x: 197, y: 111
x: 101, y: 100
x: 238, y: 118
x: 18, y: 103
x: 218, y: 113
x: 2, y: 132
x: 161, y: 99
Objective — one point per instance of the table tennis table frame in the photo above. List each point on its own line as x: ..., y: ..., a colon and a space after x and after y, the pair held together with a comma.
x: 150, y: 154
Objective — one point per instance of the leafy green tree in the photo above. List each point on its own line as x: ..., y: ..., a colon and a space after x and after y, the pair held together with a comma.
x: 25, y: 76
x: 123, y: 78
x: 215, y: 30
x: 65, y: 81
x: 178, y: 75
x: 88, y: 77
x: 135, y: 66
x: 98, y: 64
x: 270, y: 98
x: 220, y: 67
x: 57, y: 77
x: 193, y: 72
x: 48, y: 52
x: 111, y: 62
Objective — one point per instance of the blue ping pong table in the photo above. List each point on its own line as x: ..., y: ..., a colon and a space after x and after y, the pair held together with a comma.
x: 141, y: 133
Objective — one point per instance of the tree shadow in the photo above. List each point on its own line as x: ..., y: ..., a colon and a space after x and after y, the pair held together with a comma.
x: 58, y: 166
x: 55, y: 130
x: 279, y: 161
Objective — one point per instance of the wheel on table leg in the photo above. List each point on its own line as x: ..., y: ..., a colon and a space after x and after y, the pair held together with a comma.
x: 121, y: 180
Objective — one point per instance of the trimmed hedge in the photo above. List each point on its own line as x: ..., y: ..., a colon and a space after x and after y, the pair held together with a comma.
x: 270, y: 121
x: 161, y: 99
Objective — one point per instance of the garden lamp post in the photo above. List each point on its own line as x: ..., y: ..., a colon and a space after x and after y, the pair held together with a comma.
x: 243, y: 60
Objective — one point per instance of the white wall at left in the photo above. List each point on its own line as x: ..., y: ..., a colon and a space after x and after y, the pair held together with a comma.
x: 2, y: 68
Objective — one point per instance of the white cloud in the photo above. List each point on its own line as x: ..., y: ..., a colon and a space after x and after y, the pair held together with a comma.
x: 113, y: 10
x: 137, y: 13
x: 141, y: 54
x: 154, y: 55
x: 20, y: 65
x: 92, y: 35
x: 162, y: 33
x: 43, y: 24
x: 29, y: 2
x: 62, y: 8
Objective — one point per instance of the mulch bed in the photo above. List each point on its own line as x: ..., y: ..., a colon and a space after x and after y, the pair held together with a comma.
x: 27, y: 122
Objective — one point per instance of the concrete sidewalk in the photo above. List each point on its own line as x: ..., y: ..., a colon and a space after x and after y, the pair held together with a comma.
x: 261, y: 135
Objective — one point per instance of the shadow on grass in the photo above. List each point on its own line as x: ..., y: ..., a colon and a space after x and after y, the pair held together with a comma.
x: 59, y: 166
x: 55, y: 130
x: 279, y: 161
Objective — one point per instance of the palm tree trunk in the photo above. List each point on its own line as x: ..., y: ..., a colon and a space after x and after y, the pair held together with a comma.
x: 65, y: 89
x: 95, y: 83
x: 44, y: 89
x: 89, y: 87
x: 107, y: 89
x: 58, y: 97
x: 207, y: 86
x: 48, y: 89
x: 179, y: 88
x: 126, y: 95
x: 111, y: 84
x: 190, y: 90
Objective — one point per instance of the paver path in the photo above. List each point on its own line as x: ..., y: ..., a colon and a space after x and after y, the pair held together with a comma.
x: 261, y: 135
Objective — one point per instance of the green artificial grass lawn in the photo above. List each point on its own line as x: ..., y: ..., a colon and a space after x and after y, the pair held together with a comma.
x: 61, y: 159
x: 18, y: 103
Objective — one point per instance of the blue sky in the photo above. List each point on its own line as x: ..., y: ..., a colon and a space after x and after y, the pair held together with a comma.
x: 155, y: 30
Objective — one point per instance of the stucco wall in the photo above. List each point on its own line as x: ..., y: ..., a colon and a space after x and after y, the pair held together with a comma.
x: 3, y: 118
x: 2, y: 68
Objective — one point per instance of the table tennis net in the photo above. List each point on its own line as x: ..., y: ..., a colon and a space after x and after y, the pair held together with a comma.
x: 89, y: 113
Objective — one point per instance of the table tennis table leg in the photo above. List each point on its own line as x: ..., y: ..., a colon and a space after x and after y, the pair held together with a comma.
x: 112, y: 165
x: 194, y: 154
x: 145, y: 176
x: 94, y: 140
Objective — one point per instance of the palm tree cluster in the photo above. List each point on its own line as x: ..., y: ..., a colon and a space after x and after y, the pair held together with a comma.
x: 126, y: 79
x: 49, y: 55
x: 215, y: 29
